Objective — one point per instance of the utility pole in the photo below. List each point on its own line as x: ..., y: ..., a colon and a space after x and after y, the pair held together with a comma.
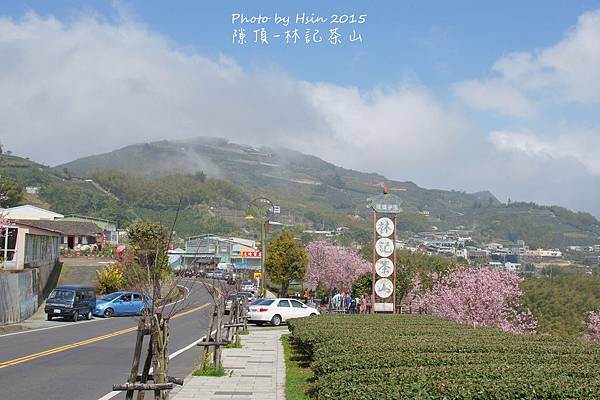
x: 261, y: 207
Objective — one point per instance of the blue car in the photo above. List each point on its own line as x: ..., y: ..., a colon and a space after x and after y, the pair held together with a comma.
x: 123, y: 303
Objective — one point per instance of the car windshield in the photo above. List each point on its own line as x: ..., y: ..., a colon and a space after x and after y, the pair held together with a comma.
x: 246, y: 282
x: 265, y: 302
x: 62, y: 295
x: 111, y: 296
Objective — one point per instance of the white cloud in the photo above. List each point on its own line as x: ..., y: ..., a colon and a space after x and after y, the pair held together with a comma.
x: 74, y: 89
x: 497, y: 95
x: 582, y: 148
x: 91, y: 85
x: 568, y: 71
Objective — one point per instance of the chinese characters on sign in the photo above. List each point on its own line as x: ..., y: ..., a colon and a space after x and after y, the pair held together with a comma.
x: 301, y: 28
x: 384, y: 288
x: 385, y: 207
x: 384, y: 247
x: 384, y: 267
x: 384, y: 227
x: 249, y: 253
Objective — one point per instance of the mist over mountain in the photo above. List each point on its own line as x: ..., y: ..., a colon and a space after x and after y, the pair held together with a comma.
x: 317, y: 192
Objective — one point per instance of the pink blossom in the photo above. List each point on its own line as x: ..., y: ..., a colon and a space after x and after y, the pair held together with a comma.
x: 3, y: 221
x: 593, y: 328
x: 480, y: 297
x: 334, y: 266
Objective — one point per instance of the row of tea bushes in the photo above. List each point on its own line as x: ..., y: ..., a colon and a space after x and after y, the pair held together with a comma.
x: 421, y: 357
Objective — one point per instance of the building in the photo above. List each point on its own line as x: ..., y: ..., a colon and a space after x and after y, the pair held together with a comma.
x: 477, y: 254
x: 31, y: 254
x: 76, y: 230
x: 111, y: 234
x: 30, y: 213
x: 28, y: 246
x: 212, y: 252
x: 73, y: 234
x: 543, y: 253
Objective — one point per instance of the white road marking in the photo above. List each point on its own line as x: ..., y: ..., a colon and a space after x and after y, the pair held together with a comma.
x: 96, y: 319
x: 112, y: 394
x: 53, y: 327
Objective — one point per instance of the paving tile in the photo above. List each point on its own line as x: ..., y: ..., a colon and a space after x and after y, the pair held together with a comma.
x: 256, y: 371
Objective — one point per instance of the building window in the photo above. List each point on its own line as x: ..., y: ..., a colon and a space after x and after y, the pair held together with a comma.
x: 8, y: 241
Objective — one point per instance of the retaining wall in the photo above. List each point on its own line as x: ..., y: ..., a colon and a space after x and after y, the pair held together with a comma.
x: 22, y: 292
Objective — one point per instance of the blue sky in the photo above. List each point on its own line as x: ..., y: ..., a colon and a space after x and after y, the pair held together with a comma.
x: 433, y: 41
x: 465, y: 95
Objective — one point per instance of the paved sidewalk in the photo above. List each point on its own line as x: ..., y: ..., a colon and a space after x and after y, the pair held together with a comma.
x: 256, y: 371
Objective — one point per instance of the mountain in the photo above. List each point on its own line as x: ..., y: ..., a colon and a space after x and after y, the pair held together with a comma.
x: 316, y: 192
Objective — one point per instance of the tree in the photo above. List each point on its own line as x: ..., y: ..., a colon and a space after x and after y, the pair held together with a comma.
x: 363, y: 285
x: 12, y: 191
x: 334, y: 266
x: 562, y: 303
x: 480, y: 297
x: 287, y: 260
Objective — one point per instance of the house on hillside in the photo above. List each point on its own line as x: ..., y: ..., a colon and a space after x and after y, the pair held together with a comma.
x: 73, y: 234
x: 111, y: 234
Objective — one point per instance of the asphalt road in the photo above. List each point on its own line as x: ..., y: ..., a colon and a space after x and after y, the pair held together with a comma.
x: 83, y: 360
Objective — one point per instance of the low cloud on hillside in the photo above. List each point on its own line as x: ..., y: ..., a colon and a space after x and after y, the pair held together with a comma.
x: 71, y: 89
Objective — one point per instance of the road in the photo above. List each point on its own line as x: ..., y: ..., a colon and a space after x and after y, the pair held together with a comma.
x: 83, y: 360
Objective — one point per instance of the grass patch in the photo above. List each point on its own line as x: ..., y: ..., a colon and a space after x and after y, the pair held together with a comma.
x: 298, y: 375
x: 233, y: 345
x: 209, y: 372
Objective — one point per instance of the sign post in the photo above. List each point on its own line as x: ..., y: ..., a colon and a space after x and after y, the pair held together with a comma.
x: 383, y: 294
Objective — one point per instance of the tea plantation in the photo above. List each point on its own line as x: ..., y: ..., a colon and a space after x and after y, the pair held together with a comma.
x: 421, y: 357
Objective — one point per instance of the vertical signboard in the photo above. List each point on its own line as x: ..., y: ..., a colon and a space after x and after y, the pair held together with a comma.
x: 385, y: 208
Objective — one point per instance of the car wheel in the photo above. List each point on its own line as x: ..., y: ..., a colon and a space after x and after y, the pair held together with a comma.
x: 75, y: 316
x: 49, y: 317
x: 276, y: 320
x: 88, y: 316
x: 313, y: 314
x: 108, y: 312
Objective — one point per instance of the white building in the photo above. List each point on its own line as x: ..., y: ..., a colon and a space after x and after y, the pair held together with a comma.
x: 29, y: 212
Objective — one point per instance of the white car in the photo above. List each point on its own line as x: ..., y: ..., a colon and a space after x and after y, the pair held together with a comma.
x: 277, y: 311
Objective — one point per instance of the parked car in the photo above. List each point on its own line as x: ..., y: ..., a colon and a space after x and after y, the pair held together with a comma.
x: 123, y: 303
x: 229, y: 303
x: 249, y: 295
x: 71, y: 301
x: 277, y: 311
x: 248, y: 286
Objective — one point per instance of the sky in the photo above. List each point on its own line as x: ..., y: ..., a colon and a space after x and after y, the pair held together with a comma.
x: 463, y: 95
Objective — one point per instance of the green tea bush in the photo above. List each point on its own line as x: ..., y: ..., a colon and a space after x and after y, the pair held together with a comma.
x: 421, y: 357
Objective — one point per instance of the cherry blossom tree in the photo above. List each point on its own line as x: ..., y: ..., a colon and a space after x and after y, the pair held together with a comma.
x: 333, y: 265
x: 593, y: 328
x: 3, y: 220
x: 479, y: 297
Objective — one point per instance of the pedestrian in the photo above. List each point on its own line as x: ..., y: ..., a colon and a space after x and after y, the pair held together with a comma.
x: 362, y: 307
x: 347, y: 301
x: 305, y: 296
x: 337, y: 300
x: 352, y: 307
